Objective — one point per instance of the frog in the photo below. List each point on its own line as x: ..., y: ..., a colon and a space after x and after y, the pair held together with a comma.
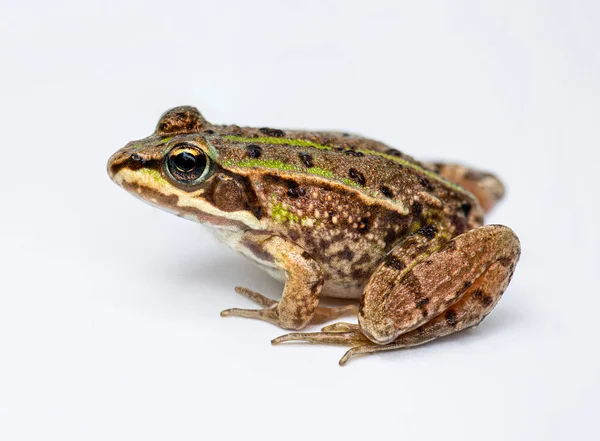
x: 333, y: 214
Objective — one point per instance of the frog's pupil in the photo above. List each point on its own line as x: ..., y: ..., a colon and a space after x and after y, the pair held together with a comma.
x: 187, y: 164
x: 185, y: 161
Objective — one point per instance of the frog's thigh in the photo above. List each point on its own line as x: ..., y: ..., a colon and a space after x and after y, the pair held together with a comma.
x: 468, y: 311
x: 476, y: 264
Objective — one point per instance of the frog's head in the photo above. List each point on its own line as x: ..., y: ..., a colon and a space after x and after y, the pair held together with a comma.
x: 177, y: 169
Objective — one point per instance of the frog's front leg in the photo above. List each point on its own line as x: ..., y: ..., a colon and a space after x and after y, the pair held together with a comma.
x: 304, y: 280
x: 444, y: 290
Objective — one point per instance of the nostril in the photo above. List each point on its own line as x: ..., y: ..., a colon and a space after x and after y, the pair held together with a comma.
x: 137, y: 158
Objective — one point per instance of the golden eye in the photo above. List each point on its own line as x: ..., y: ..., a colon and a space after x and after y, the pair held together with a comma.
x: 187, y: 163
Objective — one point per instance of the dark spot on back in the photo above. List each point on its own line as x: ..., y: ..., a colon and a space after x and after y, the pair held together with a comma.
x: 425, y: 183
x: 428, y: 231
x: 450, y: 317
x: 276, y: 133
x: 307, y: 159
x: 394, y: 152
x: 295, y: 192
x: 417, y: 209
x: 356, y: 176
x: 354, y: 153
x: 209, y: 132
x: 253, y: 151
x: 422, y: 302
x: 466, y: 208
x: 363, y: 225
x: 387, y: 192
x: 394, y: 262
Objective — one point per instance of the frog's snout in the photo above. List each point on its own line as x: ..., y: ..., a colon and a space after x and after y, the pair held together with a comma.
x: 117, y: 161
x: 124, y: 158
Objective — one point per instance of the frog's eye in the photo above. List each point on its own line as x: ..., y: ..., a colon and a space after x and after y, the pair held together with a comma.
x: 187, y: 164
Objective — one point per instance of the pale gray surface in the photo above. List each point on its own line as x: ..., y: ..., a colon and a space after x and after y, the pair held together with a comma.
x: 109, y: 309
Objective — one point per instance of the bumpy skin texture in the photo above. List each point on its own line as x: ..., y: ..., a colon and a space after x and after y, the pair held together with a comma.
x: 336, y: 213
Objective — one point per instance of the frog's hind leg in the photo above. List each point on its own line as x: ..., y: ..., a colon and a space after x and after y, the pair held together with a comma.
x: 425, y: 303
x: 486, y: 187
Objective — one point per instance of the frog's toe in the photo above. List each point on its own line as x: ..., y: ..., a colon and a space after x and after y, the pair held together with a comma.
x: 255, y: 296
x: 359, y: 350
x: 351, y: 337
x: 269, y: 312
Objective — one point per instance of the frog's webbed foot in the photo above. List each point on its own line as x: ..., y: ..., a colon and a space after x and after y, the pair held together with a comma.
x: 270, y: 313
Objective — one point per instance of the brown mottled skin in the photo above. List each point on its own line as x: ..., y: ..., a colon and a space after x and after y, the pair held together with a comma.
x: 338, y: 214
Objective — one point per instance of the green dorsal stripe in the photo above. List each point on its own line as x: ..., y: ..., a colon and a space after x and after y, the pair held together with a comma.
x: 305, y: 143
x: 279, y: 165
x: 284, y: 141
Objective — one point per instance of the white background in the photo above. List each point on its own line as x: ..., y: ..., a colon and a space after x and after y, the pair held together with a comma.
x: 109, y: 309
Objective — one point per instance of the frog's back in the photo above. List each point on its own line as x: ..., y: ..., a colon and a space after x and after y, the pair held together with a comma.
x: 345, y: 199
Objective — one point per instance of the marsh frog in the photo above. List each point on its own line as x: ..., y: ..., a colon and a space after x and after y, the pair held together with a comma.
x: 333, y: 214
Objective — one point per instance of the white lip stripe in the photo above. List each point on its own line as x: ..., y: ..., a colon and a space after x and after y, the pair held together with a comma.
x: 184, y: 199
